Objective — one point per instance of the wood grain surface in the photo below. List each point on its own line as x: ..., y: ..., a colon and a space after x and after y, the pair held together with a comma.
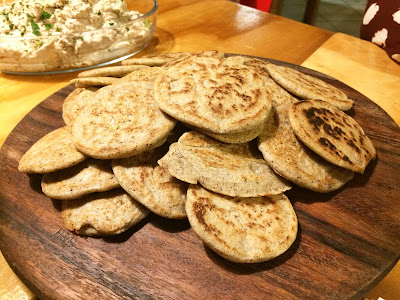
x: 347, y: 241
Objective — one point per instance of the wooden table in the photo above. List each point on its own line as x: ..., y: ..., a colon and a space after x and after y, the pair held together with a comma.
x: 194, y: 25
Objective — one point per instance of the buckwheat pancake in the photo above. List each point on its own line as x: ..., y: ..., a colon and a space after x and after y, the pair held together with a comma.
x: 243, y: 230
x: 102, y: 214
x: 233, y: 138
x: 309, y: 87
x: 91, y: 175
x: 229, y: 169
x: 113, y: 71
x: 151, y: 184
x: 70, y: 101
x: 208, y: 53
x: 122, y: 120
x: 74, y: 103
x: 155, y: 60
x: 212, y: 95
x: 146, y: 74
x: 54, y: 151
x: 332, y: 134
x: 289, y: 157
x: 93, y: 81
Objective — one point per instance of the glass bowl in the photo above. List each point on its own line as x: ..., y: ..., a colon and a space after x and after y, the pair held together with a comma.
x: 60, y: 53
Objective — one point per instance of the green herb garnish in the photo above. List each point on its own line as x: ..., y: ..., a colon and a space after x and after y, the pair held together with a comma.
x: 48, y: 26
x: 35, y: 28
x: 45, y: 15
x: 6, y: 15
x: 111, y: 23
x: 11, y: 26
x: 99, y: 13
x: 146, y: 22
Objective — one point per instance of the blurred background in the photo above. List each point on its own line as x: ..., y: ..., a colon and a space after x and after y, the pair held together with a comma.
x: 334, y: 15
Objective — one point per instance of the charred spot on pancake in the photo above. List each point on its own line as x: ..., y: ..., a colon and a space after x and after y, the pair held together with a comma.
x: 313, y: 119
x: 351, y: 144
x: 325, y: 142
x: 335, y: 132
x: 347, y: 159
x: 200, y: 212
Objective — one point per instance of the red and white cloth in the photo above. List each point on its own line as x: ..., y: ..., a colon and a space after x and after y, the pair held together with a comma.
x: 381, y: 25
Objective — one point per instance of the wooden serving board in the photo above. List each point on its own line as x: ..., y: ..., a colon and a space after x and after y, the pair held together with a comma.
x: 347, y: 242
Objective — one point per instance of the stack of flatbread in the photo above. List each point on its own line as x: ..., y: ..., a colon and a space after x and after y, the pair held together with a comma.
x: 200, y: 136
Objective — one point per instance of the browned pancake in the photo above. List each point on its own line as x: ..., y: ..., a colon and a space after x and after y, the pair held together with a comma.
x: 102, y: 214
x: 243, y: 230
x: 289, y: 157
x: 89, y: 176
x: 218, y: 95
x: 229, y: 169
x: 120, y: 121
x: 74, y: 103
x: 309, y: 87
x: 151, y: 184
x: 332, y: 134
x: 54, y: 151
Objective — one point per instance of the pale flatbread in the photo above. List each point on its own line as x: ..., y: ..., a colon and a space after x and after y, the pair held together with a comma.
x: 208, y: 53
x: 93, y: 81
x: 74, y: 103
x: 210, y: 94
x: 243, y: 230
x: 155, y: 60
x: 122, y: 120
x: 113, y: 71
x: 147, y: 74
x: 233, y: 138
x: 291, y: 158
x: 309, y: 87
x: 332, y: 134
x: 69, y: 105
x: 151, y: 184
x: 89, y: 176
x: 229, y: 169
x: 54, y: 151
x: 102, y: 214
x: 146, y: 61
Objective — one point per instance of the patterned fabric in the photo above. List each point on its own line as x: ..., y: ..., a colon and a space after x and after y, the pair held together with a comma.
x: 381, y: 25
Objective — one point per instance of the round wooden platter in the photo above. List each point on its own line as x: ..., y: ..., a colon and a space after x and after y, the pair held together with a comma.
x: 347, y: 242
